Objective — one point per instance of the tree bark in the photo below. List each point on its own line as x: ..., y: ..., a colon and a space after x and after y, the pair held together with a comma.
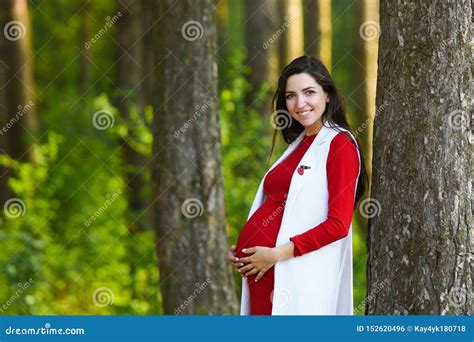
x: 420, y: 243
x: 85, y: 54
x: 14, y: 20
x: 312, y: 34
x: 130, y: 69
x: 5, y: 193
x: 258, y: 29
x: 282, y: 10
x: 187, y: 178
x: 366, y: 34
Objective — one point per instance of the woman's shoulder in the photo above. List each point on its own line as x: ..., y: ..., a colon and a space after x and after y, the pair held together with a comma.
x: 343, y: 145
x: 341, y: 138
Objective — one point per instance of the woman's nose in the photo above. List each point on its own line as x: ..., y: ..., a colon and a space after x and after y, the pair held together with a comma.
x: 300, y: 101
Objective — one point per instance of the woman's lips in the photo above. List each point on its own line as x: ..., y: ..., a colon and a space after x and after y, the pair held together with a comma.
x: 304, y: 113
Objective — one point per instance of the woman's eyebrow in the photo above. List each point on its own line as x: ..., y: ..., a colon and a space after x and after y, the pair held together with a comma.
x: 307, y: 88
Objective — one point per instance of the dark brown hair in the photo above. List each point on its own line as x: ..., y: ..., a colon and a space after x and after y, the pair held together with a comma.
x: 334, y: 115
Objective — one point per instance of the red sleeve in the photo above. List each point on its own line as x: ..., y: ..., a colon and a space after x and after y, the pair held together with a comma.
x: 342, y: 169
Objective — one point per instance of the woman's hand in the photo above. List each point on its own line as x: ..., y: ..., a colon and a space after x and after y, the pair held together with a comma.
x: 232, y: 258
x: 261, y: 260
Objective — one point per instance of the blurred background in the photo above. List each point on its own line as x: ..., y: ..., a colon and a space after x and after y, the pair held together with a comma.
x: 76, y: 111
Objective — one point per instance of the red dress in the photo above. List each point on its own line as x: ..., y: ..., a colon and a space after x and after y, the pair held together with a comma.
x: 263, y: 227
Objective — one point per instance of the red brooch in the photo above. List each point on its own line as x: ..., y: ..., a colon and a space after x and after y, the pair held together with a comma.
x: 302, y: 168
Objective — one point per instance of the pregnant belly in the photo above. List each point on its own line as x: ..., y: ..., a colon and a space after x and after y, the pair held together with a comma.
x: 261, y: 230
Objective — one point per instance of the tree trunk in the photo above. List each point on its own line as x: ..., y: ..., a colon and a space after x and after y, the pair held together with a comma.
x: 295, y: 30
x: 130, y: 68
x: 312, y: 34
x: 187, y: 178
x: 420, y: 241
x: 258, y: 29
x: 16, y: 36
x: 282, y: 10
x: 5, y: 193
x: 366, y: 34
x: 85, y: 54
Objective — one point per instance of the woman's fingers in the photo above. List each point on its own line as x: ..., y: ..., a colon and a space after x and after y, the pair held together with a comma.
x: 245, y: 260
x: 246, y: 268
x: 252, y: 272
x: 259, y: 275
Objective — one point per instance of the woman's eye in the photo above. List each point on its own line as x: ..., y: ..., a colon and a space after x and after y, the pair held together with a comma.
x: 310, y: 92
x: 289, y: 96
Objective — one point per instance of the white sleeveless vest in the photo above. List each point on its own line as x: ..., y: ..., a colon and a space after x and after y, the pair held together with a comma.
x: 319, y: 282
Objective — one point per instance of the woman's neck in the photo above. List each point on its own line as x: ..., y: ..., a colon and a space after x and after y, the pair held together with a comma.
x: 314, y: 129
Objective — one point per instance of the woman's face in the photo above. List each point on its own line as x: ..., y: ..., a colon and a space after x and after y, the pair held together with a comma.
x: 305, y: 101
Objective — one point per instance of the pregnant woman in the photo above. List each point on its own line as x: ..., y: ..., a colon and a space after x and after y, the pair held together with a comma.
x: 295, y: 250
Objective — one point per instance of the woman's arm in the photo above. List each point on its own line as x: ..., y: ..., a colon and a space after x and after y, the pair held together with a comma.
x: 342, y: 169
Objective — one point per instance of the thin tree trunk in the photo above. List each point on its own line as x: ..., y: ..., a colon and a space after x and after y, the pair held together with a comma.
x: 282, y: 10
x: 258, y: 29
x: 366, y: 33
x: 312, y: 34
x: 420, y: 243
x: 5, y: 193
x: 85, y: 55
x: 187, y: 178
x: 295, y: 30
x: 130, y: 69
x: 318, y: 30
x: 16, y: 36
